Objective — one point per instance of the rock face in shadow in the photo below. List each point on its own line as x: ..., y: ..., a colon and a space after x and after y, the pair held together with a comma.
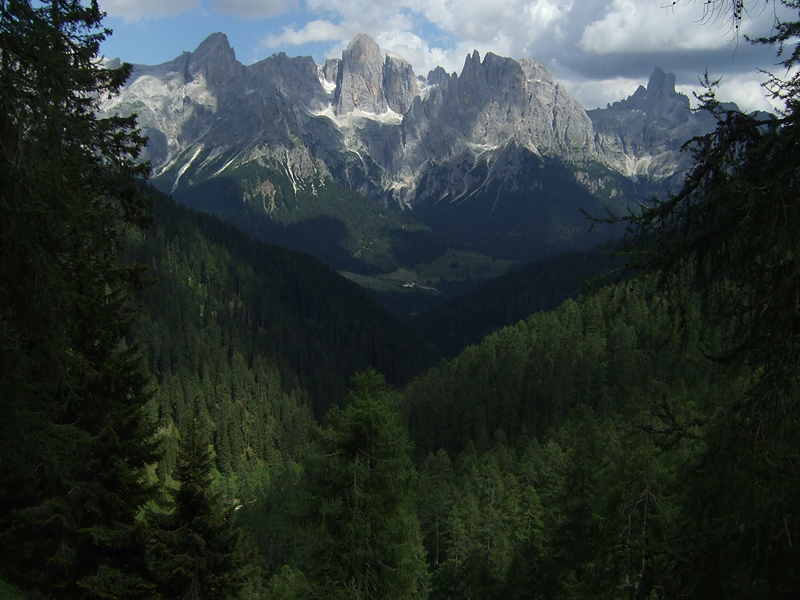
x: 215, y: 62
x: 440, y: 77
x: 330, y: 71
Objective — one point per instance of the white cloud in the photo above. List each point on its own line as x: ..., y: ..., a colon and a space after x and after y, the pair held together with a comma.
x: 747, y: 92
x: 597, y: 93
x: 510, y: 26
x: 597, y: 48
x: 366, y: 13
x: 430, y: 33
x: 254, y: 9
x: 476, y: 23
x: 635, y: 26
x: 548, y: 15
x: 422, y: 56
x: 136, y: 9
x: 316, y: 31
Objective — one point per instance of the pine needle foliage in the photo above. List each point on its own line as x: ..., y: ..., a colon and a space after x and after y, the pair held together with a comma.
x: 366, y: 542
x: 730, y: 237
x: 74, y: 439
x: 199, y: 553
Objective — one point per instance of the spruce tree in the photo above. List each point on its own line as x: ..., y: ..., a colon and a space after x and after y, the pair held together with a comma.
x: 199, y: 553
x: 365, y: 536
x: 74, y: 440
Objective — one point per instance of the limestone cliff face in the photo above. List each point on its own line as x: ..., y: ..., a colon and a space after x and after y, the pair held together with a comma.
x: 494, y: 104
x: 365, y: 82
x: 399, y: 83
x: 370, y: 123
x: 498, y: 100
x: 359, y: 83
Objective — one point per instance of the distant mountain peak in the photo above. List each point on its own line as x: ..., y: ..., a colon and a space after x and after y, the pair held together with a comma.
x: 660, y: 81
x: 282, y: 126
x: 643, y: 134
x: 659, y: 99
x: 214, y: 47
x: 359, y: 82
x: 215, y: 60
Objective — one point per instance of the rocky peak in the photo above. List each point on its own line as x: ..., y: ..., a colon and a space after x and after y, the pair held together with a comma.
x: 661, y: 85
x: 399, y: 83
x: 536, y: 72
x: 440, y: 77
x: 359, y: 82
x: 472, y: 73
x: 330, y: 70
x: 644, y: 133
x: 215, y: 45
x: 215, y: 60
x: 659, y: 98
x: 499, y: 99
x: 495, y: 80
x: 504, y: 73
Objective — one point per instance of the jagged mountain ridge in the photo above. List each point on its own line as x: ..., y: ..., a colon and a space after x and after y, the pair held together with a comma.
x: 208, y: 97
x: 642, y: 136
x: 433, y: 144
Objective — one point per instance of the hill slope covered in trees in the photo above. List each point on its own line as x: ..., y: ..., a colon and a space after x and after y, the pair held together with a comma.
x: 538, y: 286
x: 639, y: 442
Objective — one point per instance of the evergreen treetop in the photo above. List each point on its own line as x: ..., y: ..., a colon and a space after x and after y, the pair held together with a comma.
x: 367, y: 543
x: 199, y: 554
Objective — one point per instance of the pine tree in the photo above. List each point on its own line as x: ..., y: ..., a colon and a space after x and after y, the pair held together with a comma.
x: 74, y: 439
x: 366, y: 536
x: 724, y: 251
x: 200, y: 554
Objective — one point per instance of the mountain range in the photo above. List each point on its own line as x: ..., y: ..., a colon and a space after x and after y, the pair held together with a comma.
x: 352, y: 159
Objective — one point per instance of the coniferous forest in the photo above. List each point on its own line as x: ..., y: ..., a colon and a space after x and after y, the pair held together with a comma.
x: 188, y: 413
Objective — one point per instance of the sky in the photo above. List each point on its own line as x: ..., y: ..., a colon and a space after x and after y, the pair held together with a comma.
x: 600, y: 50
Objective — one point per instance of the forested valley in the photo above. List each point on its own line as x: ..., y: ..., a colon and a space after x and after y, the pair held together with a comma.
x: 189, y: 413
